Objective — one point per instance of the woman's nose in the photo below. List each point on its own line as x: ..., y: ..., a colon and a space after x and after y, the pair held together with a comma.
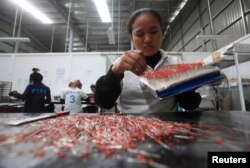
x: 148, y: 38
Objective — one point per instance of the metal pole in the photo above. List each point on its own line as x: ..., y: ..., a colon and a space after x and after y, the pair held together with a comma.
x: 119, y: 26
x: 19, y: 31
x: 71, y: 40
x: 52, y: 38
x: 170, y: 38
x: 112, y: 24
x: 211, y: 25
x: 201, y: 30
x: 170, y: 35
x: 243, y: 17
x: 241, y: 94
x: 87, y: 34
x: 67, y: 32
x: 14, y: 28
x: 182, y: 34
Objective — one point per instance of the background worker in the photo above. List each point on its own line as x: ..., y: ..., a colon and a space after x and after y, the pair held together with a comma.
x: 91, y: 108
x: 72, y: 97
x: 36, y: 95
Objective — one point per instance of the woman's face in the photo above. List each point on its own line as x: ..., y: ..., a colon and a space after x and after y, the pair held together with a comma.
x: 146, y: 33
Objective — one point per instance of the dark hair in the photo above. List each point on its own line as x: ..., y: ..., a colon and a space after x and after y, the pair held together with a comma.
x: 70, y: 84
x: 92, y: 86
x: 37, y: 78
x: 35, y: 69
x: 137, y: 13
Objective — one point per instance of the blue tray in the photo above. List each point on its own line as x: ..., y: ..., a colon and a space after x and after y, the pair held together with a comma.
x: 190, y: 84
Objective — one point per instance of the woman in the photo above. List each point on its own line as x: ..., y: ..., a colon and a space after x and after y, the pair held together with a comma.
x: 121, y: 84
x: 72, y: 97
x: 36, y: 95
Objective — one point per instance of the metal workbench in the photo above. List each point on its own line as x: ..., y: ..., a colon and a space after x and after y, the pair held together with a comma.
x: 189, y: 153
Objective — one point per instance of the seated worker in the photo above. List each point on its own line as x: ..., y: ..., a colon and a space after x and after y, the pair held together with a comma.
x: 122, y: 84
x: 72, y: 97
x: 36, y: 95
x: 91, y: 108
x: 91, y: 94
x: 92, y: 88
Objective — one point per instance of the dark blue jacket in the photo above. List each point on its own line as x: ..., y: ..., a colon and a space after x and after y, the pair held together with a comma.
x: 35, y: 97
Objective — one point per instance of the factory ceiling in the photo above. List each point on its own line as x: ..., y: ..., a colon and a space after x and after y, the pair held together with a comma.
x: 80, y: 20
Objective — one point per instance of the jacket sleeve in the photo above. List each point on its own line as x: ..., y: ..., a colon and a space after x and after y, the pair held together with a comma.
x: 189, y: 100
x: 108, y: 89
x: 20, y: 96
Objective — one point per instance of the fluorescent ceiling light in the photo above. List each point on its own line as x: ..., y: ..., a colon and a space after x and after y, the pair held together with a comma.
x: 33, y: 10
x: 14, y: 39
x: 102, y: 8
x: 183, y: 4
x: 178, y: 10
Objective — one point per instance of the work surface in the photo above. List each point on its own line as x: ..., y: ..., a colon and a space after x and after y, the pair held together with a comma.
x: 207, y: 131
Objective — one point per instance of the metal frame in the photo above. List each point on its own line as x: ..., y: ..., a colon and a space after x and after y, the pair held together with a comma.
x: 240, y: 87
x: 14, y: 39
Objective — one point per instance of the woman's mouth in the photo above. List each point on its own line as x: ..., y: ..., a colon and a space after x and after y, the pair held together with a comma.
x: 149, y: 47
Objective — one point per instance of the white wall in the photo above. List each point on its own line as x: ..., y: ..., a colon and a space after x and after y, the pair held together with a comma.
x: 58, y: 69
x: 243, y: 68
x: 5, y: 67
x: 88, y: 69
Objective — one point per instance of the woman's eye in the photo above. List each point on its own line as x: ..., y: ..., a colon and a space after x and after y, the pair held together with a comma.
x: 154, y: 32
x: 139, y: 34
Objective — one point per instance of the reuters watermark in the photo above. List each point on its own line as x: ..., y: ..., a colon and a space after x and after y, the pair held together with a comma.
x: 228, y: 159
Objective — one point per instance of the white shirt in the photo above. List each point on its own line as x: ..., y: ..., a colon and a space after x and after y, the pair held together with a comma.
x: 73, y: 97
x: 136, y: 97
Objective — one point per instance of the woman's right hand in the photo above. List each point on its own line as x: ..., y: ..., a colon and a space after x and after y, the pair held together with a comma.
x: 12, y: 93
x: 133, y: 61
